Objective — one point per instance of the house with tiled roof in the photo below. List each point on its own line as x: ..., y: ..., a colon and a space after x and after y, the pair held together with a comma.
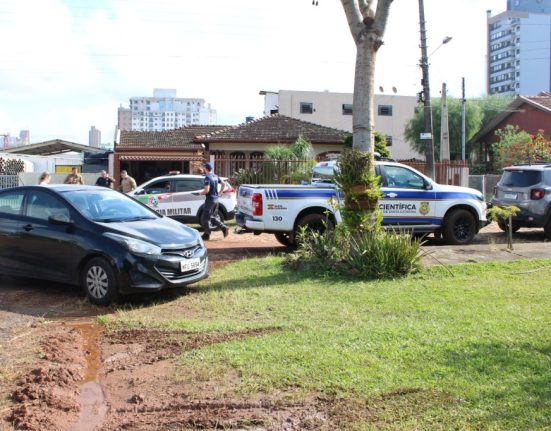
x: 239, y: 146
x: 529, y: 113
x: 148, y: 154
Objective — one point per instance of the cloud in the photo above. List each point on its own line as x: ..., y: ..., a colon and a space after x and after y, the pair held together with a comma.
x: 69, y: 64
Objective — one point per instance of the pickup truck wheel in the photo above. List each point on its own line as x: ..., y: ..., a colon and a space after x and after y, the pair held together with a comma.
x: 314, y: 223
x: 286, y: 239
x: 504, y: 226
x: 547, y: 229
x: 459, y: 227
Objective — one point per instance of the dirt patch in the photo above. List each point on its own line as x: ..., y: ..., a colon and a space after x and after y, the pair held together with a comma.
x: 146, y: 389
x: 48, y: 396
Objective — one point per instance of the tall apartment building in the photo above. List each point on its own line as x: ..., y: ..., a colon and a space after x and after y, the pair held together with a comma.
x: 164, y: 111
x: 94, y: 137
x: 519, y: 49
x: 392, y: 113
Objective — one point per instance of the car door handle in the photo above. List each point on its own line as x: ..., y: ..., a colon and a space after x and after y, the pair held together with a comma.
x: 28, y: 227
x: 390, y: 195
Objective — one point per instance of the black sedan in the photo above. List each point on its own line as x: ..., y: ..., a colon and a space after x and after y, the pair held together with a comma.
x: 98, y: 238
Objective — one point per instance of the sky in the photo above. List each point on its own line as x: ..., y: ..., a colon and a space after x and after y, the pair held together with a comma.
x: 66, y: 65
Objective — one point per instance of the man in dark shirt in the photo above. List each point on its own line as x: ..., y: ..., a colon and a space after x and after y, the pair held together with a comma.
x: 105, y: 180
x: 211, y: 202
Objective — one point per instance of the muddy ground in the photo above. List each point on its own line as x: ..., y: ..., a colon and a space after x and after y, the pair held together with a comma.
x: 60, y: 371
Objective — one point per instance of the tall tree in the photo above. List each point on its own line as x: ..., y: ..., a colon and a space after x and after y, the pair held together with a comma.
x: 367, y: 25
x: 478, y: 113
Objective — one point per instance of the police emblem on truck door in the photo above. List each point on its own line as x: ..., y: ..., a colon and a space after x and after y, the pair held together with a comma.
x: 424, y: 208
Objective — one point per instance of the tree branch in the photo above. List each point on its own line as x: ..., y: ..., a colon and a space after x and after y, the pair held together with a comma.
x: 381, y: 17
x: 354, y: 18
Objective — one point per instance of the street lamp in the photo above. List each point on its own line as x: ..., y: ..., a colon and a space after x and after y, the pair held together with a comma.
x: 427, y: 135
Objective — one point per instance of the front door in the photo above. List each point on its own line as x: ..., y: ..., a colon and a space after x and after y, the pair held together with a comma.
x: 49, y: 248
x: 407, y: 201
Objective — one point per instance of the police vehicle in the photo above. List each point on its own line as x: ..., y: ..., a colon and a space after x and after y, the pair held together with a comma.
x: 411, y: 202
x: 172, y: 196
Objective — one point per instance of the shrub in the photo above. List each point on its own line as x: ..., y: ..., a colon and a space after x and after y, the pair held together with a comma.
x: 368, y: 254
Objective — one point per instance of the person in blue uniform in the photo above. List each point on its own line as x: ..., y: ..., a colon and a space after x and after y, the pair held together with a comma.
x: 211, y: 193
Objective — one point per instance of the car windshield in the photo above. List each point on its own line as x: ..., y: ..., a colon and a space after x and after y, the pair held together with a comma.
x: 108, y: 206
x: 323, y: 173
x: 520, y: 178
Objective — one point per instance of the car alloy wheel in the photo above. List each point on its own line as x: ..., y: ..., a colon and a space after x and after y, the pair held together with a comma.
x: 99, y: 282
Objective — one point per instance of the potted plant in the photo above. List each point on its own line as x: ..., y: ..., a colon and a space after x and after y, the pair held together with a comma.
x: 356, y: 179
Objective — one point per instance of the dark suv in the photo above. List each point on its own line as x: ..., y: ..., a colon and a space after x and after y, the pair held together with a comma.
x: 527, y: 187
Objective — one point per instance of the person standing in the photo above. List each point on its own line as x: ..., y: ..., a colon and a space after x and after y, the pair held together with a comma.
x: 44, y: 179
x: 74, y: 177
x: 210, y: 191
x: 104, y: 180
x: 127, y: 182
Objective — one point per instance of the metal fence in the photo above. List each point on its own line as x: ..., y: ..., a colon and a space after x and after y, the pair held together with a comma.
x: 7, y: 181
x: 452, y: 172
x: 257, y: 170
x: 484, y: 183
x: 264, y: 171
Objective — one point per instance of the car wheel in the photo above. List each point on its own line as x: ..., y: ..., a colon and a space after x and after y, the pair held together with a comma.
x: 504, y: 226
x: 459, y: 227
x: 286, y: 239
x: 218, y: 215
x: 547, y: 229
x: 99, y: 282
x: 313, y: 223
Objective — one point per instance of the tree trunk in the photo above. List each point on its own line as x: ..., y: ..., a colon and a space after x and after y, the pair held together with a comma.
x: 362, y: 111
x: 367, y: 27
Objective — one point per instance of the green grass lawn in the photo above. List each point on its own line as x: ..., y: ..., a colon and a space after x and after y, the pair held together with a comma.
x: 470, y: 350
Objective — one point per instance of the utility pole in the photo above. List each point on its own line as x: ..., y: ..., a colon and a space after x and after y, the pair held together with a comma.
x: 444, y: 127
x: 427, y: 136
x: 463, y: 103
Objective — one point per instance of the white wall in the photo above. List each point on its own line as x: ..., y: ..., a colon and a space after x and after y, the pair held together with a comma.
x: 328, y: 111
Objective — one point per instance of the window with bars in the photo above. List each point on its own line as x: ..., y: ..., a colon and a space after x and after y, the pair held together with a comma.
x: 384, y: 110
x: 306, y: 108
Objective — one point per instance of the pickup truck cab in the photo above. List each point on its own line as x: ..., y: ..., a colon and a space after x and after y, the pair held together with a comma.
x: 411, y: 202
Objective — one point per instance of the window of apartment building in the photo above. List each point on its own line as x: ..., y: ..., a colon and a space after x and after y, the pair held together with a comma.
x: 306, y: 108
x: 384, y: 110
x: 347, y: 109
x: 388, y: 139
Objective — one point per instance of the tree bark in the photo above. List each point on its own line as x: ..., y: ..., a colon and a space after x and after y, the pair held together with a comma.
x: 367, y: 28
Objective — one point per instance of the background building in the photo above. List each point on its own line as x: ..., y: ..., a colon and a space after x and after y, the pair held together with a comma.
x: 392, y: 113
x: 94, y: 137
x: 164, y: 111
x: 519, y: 49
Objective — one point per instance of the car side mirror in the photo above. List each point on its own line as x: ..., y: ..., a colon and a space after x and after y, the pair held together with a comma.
x: 60, y: 219
x: 427, y: 185
x: 140, y: 192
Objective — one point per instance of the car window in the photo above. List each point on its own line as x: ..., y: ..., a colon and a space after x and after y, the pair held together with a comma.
x: 11, y: 202
x: 188, y: 184
x: 520, y: 178
x: 157, y: 187
x: 108, y: 206
x: 401, y: 177
x: 42, y: 205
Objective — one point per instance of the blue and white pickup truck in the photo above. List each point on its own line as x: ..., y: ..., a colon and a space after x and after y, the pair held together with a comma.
x: 411, y: 202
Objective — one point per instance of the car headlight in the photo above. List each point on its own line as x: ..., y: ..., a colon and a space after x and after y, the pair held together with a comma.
x: 201, y: 242
x: 135, y: 245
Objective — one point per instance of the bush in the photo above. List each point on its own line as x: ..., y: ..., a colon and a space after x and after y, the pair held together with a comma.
x: 368, y: 254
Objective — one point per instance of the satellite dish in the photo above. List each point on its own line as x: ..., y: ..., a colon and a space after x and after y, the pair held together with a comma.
x: 394, y: 90
x: 381, y: 89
